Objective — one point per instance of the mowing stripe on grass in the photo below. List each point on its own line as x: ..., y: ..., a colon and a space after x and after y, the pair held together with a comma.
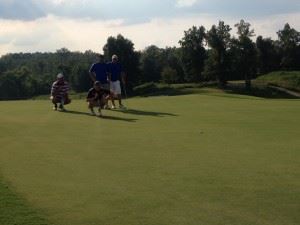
x: 14, y: 210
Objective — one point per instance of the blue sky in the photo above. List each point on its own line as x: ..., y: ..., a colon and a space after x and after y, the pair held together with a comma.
x: 46, y: 25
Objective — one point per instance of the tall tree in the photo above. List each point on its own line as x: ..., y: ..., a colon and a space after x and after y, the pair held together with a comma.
x: 171, y: 57
x: 289, y: 41
x: 218, y: 39
x: 193, y: 53
x: 128, y: 57
x: 268, y: 55
x: 246, y: 52
x: 152, y: 64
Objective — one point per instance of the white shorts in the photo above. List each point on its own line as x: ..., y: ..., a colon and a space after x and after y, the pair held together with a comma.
x: 115, y: 87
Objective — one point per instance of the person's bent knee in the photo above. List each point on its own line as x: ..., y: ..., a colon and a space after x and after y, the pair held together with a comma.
x: 55, y: 100
x: 92, y: 104
x: 67, y: 101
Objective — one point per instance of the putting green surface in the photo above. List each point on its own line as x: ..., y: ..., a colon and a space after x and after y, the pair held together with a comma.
x: 184, y: 160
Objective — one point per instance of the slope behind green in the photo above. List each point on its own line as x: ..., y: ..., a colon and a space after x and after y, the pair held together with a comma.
x: 286, y: 79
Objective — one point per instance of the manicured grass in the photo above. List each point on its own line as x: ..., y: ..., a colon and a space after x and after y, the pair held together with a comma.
x: 212, y: 159
x: 286, y: 79
x: 14, y: 210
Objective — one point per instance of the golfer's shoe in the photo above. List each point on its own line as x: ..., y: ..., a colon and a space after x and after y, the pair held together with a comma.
x: 106, y: 107
x: 62, y: 109
x: 113, y: 107
x: 122, y: 107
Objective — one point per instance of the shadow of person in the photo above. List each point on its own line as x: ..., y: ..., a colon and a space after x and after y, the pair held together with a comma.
x: 102, y: 117
x: 76, y: 112
x: 145, y: 113
x: 118, y: 118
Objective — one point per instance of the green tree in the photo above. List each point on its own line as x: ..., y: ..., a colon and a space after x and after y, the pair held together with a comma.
x: 218, y: 39
x: 171, y: 58
x: 289, y: 42
x: 80, y: 79
x: 193, y: 53
x: 169, y: 75
x: 151, y: 64
x: 128, y: 57
x: 268, y: 55
x: 247, y: 54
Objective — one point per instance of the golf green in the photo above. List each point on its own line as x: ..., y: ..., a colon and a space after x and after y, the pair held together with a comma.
x: 211, y: 159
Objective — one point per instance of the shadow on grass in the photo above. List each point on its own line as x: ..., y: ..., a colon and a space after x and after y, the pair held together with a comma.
x: 145, y: 113
x: 76, y: 112
x: 103, y: 117
x: 118, y: 118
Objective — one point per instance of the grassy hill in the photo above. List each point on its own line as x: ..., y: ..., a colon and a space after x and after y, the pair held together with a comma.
x: 208, y: 159
x: 289, y: 80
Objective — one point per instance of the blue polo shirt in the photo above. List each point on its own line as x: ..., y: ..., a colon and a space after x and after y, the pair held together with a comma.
x: 100, y: 69
x: 115, y: 69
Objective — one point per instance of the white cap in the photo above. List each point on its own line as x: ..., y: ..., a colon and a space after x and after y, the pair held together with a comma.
x: 60, y: 75
x: 114, y: 57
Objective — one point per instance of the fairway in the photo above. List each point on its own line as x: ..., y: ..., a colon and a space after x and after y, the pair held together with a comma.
x: 211, y: 159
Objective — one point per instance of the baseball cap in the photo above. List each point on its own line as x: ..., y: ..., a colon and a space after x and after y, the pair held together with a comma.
x: 60, y: 75
x: 114, y: 57
x: 97, y: 83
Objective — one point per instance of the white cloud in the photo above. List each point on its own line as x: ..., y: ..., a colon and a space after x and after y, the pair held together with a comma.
x: 185, y: 3
x: 52, y: 33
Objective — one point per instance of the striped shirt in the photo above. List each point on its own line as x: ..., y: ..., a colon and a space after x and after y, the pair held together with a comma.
x: 60, y: 89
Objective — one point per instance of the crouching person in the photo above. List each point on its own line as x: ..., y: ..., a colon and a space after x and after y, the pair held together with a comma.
x: 97, y: 97
x: 59, y: 93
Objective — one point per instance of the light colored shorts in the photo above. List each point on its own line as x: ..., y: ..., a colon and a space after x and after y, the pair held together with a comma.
x: 115, y: 87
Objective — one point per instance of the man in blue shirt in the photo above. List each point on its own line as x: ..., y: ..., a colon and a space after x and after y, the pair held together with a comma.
x: 99, y: 72
x: 116, y: 75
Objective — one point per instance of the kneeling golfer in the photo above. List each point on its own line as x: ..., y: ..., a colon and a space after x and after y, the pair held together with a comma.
x: 59, y: 93
x: 97, y: 97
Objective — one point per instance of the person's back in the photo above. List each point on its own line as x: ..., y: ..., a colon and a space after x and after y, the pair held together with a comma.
x: 59, y: 88
x: 59, y: 92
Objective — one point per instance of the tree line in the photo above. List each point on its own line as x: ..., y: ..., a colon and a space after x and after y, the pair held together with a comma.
x: 203, y: 55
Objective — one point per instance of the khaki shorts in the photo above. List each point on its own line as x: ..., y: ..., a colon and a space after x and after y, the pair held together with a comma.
x: 115, y: 87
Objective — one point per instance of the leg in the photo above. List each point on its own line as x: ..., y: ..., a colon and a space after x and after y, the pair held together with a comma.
x: 91, y: 105
x: 120, y: 101
x: 55, y: 100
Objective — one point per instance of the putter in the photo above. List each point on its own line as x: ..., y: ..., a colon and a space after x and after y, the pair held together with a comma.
x: 126, y: 97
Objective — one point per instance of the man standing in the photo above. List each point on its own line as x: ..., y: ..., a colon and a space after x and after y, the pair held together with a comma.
x: 116, y: 74
x: 59, y: 93
x: 98, y: 72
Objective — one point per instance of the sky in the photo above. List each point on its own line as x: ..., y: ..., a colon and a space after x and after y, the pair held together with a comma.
x: 80, y: 25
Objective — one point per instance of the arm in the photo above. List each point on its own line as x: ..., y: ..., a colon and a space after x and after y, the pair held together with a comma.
x: 92, y: 73
x: 93, y: 76
x: 53, y: 90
